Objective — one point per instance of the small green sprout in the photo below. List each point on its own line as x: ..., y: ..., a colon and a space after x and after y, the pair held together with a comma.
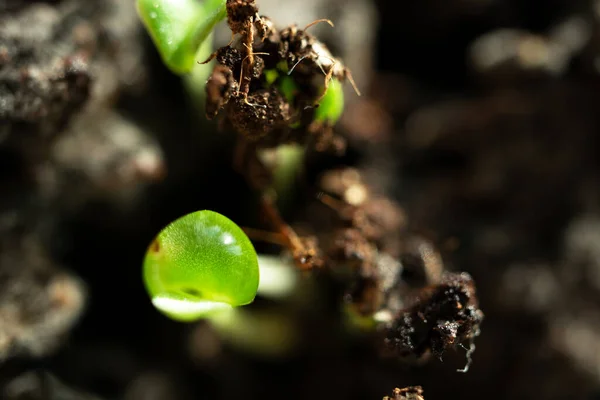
x: 200, y: 264
x: 288, y: 87
x: 179, y: 27
x: 331, y: 105
x: 203, y: 266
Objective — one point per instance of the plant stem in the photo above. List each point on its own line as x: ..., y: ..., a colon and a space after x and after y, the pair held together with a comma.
x: 195, y: 80
x: 263, y: 332
x: 289, y: 163
x: 213, y: 12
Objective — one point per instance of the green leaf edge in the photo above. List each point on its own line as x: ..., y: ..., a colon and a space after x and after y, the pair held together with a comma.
x: 199, y: 23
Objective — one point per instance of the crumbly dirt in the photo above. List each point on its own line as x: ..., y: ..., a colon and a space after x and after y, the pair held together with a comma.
x: 456, y: 201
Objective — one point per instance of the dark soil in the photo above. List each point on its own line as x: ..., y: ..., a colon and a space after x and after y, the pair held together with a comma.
x: 462, y: 207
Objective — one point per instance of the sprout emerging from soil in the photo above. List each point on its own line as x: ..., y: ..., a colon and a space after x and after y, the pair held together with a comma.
x: 203, y: 266
x: 274, y: 87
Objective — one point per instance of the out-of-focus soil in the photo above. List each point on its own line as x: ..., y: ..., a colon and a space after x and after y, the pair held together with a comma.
x: 479, y: 117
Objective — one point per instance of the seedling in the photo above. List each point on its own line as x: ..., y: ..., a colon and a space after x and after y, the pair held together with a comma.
x: 253, y: 78
x: 331, y: 105
x: 280, y: 87
x: 283, y: 94
x: 200, y: 264
x: 179, y: 27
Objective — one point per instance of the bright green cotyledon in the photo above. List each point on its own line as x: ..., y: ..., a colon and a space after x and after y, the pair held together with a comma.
x: 199, y: 264
x: 331, y: 105
x: 179, y: 27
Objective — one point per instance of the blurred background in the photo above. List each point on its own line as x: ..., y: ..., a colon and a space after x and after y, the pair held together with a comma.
x: 479, y: 117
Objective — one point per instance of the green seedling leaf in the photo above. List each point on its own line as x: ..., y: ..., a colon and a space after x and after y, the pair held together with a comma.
x: 271, y: 76
x: 200, y: 264
x: 179, y: 27
x: 331, y: 105
x: 288, y: 88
